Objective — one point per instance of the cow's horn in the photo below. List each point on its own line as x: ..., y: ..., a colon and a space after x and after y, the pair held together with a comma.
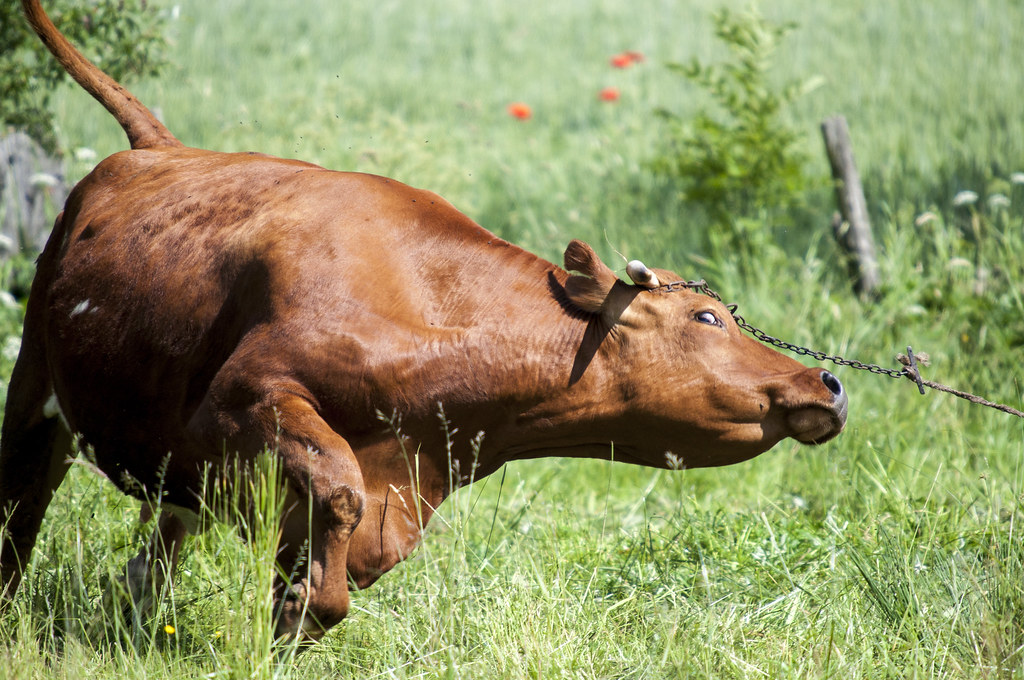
x: 641, y: 275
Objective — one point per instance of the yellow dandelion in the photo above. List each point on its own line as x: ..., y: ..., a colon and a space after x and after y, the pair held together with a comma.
x: 216, y: 633
x: 169, y: 629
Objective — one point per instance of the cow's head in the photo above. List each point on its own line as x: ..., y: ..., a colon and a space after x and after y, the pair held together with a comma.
x: 697, y: 391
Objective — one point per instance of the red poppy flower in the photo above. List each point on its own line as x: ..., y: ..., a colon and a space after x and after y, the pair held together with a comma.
x: 519, y: 110
x: 627, y: 59
x: 621, y: 61
x: 609, y: 94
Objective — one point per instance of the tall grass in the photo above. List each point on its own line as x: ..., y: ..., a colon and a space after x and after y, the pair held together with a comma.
x: 894, y: 551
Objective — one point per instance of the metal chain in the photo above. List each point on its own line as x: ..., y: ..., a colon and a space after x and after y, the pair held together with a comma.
x: 703, y: 287
x: 909, y: 361
x: 818, y: 356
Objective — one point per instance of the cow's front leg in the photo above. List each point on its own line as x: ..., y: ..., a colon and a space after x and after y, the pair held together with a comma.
x: 325, y: 499
x: 311, y: 590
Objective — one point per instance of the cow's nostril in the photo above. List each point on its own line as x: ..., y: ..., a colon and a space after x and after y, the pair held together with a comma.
x: 832, y: 383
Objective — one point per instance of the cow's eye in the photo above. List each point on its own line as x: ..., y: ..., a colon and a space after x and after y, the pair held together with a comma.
x: 709, y: 318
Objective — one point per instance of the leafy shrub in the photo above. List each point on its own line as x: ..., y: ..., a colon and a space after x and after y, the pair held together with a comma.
x: 121, y: 36
x: 740, y: 162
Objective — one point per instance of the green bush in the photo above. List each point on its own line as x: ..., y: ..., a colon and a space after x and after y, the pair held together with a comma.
x: 123, y: 37
x: 739, y: 163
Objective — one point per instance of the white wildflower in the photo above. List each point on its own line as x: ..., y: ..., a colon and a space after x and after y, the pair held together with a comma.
x: 84, y: 154
x: 965, y: 197
x: 916, y: 311
x: 43, y: 179
x: 1017, y: 177
x: 997, y: 201
x: 925, y: 218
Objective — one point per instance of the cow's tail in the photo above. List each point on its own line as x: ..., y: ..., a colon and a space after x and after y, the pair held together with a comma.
x: 143, y: 129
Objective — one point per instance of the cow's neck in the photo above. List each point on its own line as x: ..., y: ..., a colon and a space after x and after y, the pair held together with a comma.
x: 523, y: 376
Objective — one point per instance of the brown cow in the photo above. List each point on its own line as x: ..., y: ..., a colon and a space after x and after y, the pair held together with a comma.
x: 191, y: 306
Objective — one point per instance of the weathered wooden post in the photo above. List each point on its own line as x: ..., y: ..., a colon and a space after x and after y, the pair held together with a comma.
x: 31, y: 181
x: 853, y: 229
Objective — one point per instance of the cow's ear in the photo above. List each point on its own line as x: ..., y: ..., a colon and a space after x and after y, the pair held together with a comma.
x: 590, y: 279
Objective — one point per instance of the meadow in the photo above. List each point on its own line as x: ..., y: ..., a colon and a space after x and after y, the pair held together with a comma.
x: 894, y: 551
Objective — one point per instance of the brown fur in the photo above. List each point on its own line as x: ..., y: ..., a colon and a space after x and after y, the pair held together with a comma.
x: 198, y: 305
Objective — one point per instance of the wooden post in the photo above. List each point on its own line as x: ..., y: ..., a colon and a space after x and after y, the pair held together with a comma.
x: 32, y: 190
x: 853, y: 230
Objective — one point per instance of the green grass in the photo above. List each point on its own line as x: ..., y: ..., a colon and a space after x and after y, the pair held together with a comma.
x: 893, y: 552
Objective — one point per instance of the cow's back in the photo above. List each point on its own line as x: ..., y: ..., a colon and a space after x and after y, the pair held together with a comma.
x: 173, y: 261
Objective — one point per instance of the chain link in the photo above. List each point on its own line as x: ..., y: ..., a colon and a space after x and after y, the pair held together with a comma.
x: 702, y: 286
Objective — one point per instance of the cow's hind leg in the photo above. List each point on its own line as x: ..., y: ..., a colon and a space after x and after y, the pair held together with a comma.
x: 34, y: 456
x: 152, y: 569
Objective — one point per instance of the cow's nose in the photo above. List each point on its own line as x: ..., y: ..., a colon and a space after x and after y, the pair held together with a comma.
x: 832, y: 383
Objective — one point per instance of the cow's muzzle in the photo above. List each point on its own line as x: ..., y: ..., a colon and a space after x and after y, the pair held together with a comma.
x: 817, y: 423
